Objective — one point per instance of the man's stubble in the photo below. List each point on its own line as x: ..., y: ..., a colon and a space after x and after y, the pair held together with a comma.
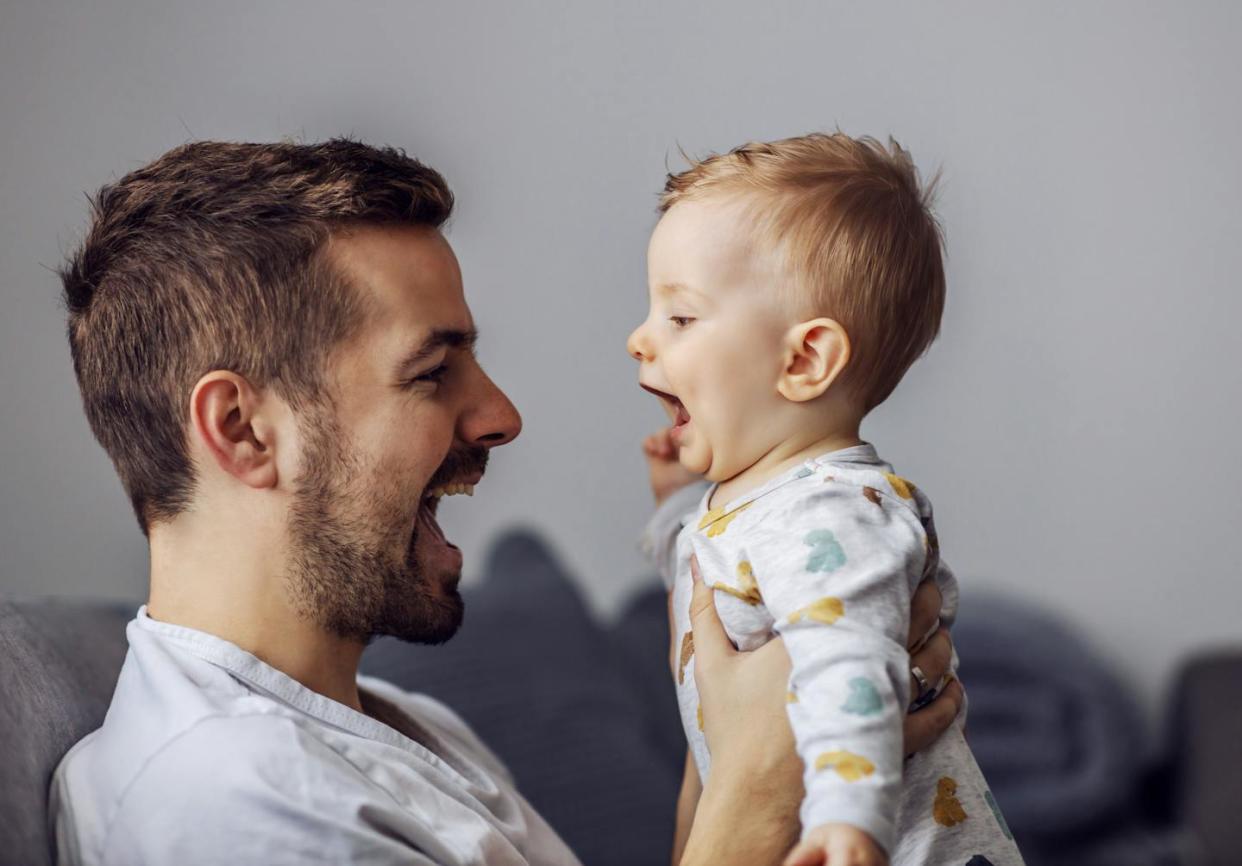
x: 344, y: 524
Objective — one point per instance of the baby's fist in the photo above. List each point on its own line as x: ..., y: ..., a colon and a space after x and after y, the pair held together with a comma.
x: 667, y: 474
x: 836, y: 845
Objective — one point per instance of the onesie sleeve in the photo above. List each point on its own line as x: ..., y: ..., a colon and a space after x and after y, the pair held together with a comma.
x: 836, y: 565
x: 659, y: 539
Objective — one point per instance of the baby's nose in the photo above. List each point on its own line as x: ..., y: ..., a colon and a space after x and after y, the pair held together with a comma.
x: 637, y: 344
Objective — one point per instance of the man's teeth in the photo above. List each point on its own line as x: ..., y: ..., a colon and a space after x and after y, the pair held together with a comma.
x: 451, y: 490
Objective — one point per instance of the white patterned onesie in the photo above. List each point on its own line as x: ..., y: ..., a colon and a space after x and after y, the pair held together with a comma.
x: 828, y: 556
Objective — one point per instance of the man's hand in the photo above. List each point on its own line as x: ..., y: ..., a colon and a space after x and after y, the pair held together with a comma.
x: 932, y: 651
x: 748, y: 811
x: 666, y: 473
x: 754, y: 699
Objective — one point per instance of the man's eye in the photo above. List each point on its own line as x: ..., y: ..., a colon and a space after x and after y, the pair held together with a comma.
x: 434, y: 376
x: 680, y: 321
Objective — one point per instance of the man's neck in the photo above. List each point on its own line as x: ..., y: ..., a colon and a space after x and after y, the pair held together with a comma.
x: 219, y: 589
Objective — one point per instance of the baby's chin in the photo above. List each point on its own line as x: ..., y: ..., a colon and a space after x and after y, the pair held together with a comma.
x: 701, y: 465
x: 718, y: 469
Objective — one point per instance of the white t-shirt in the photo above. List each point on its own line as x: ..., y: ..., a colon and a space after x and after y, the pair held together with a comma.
x: 210, y: 756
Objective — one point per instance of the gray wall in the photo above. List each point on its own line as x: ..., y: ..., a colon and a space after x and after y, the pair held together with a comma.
x: 1075, y: 424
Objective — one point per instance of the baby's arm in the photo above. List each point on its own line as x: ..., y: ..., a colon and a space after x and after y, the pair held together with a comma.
x: 836, y: 569
x: 677, y: 492
x: 752, y: 819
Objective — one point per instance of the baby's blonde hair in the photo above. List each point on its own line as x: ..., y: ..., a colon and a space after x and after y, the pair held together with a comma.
x: 853, y: 227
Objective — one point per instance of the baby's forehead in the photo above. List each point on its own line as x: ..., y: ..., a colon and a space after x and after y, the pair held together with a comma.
x: 720, y: 216
x: 711, y: 243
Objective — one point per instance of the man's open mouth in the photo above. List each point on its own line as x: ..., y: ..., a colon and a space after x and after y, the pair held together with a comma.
x: 431, y: 503
x: 676, y: 409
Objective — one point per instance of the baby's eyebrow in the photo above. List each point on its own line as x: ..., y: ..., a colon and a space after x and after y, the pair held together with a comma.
x: 674, y: 288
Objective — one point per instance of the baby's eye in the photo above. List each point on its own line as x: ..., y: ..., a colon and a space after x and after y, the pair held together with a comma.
x: 680, y: 321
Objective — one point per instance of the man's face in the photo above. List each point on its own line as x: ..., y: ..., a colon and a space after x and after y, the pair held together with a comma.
x: 413, y: 414
x: 711, y: 346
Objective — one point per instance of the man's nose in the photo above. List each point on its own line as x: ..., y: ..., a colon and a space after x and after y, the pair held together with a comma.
x: 638, y: 345
x: 493, y: 420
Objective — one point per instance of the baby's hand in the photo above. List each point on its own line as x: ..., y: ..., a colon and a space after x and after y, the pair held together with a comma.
x: 836, y: 845
x: 667, y: 474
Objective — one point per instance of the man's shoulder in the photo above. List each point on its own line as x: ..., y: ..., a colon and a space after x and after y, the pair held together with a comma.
x: 179, y: 732
x: 258, y: 757
x: 229, y: 788
x: 105, y: 788
x: 164, y: 697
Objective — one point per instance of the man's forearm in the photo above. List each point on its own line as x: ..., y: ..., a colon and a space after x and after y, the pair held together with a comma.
x: 736, y: 823
x: 687, y: 803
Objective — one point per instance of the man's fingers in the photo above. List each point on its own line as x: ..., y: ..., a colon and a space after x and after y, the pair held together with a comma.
x: 933, y: 659
x: 924, y: 613
x: 922, y: 728
x: 710, y: 639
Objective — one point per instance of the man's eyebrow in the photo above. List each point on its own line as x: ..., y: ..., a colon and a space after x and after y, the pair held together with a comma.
x: 452, y: 338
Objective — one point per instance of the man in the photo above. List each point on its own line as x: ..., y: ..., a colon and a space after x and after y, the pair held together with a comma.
x: 273, y: 347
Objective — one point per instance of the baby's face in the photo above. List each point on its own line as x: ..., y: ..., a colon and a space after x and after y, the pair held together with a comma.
x: 711, y: 346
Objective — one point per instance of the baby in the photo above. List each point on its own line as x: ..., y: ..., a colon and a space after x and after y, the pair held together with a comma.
x: 792, y: 284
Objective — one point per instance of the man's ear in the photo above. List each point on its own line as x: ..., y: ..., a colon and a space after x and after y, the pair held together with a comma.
x: 815, y: 354
x: 225, y: 412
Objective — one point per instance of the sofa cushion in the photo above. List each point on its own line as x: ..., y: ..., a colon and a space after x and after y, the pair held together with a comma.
x: 640, y: 638
x: 58, y: 666
x: 1206, y: 760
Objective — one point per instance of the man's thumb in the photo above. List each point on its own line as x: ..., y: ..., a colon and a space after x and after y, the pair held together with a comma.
x: 710, y: 639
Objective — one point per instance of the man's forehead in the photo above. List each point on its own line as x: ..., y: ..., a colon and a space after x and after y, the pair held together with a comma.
x: 409, y: 283
x: 401, y: 272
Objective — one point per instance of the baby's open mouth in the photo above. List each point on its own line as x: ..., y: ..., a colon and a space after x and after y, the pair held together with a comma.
x: 676, y: 409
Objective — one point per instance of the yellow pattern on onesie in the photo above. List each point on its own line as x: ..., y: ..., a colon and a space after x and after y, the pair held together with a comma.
x: 826, y: 610
x: 849, y: 766
x: 717, y: 521
x: 946, y: 808
x: 748, y: 590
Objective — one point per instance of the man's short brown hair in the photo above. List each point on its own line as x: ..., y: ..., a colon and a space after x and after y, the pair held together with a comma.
x: 854, y: 229
x: 211, y: 257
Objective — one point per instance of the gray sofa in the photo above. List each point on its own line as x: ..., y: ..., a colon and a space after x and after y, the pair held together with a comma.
x: 58, y: 664
x: 585, y: 717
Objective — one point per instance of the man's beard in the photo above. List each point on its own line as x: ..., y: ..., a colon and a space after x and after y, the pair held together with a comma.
x: 344, y: 525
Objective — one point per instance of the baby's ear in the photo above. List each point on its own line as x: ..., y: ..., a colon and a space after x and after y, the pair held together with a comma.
x: 815, y: 354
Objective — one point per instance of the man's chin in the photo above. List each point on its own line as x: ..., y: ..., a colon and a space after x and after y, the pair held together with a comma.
x: 437, y: 558
x: 431, y: 621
